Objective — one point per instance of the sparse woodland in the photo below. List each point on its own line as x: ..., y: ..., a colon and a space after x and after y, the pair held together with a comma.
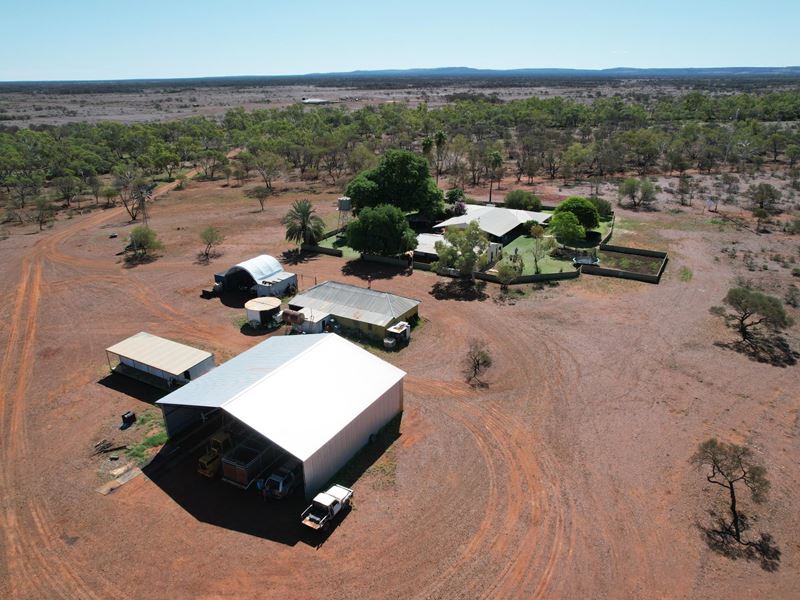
x: 561, y: 139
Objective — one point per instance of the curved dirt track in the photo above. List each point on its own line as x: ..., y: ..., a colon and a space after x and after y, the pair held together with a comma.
x: 542, y: 485
x: 34, y: 562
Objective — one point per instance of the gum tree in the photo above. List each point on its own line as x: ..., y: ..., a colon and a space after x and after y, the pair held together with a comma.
x: 729, y: 466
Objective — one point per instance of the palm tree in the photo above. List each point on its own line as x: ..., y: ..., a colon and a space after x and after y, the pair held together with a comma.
x: 303, y: 224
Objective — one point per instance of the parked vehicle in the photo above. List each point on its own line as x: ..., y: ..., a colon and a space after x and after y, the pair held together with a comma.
x: 248, y: 460
x: 397, y: 336
x: 282, y: 481
x: 326, y: 506
x: 218, y: 444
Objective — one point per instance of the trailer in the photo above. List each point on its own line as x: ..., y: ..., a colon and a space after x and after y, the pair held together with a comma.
x: 249, y: 459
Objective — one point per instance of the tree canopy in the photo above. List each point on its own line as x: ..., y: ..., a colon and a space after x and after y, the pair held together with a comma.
x: 640, y: 192
x: 566, y: 228
x: 583, y: 209
x: 401, y: 179
x: 210, y: 236
x: 764, y: 196
x: 143, y: 240
x: 462, y: 249
x: 381, y: 230
x: 728, y: 465
x: 753, y: 308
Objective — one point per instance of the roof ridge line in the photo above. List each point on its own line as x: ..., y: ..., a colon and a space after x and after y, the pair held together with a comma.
x: 268, y: 375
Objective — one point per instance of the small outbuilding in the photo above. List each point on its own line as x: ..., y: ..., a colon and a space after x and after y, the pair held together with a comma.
x: 262, y: 275
x: 352, y: 307
x: 262, y: 311
x: 157, y: 361
x: 318, y: 398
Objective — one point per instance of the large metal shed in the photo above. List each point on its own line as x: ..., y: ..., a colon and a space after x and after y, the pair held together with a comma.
x: 158, y: 361
x: 318, y: 397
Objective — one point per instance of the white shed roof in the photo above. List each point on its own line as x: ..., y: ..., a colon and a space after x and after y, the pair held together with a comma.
x: 160, y: 353
x: 260, y: 268
x: 426, y: 243
x: 494, y: 220
x: 297, y: 391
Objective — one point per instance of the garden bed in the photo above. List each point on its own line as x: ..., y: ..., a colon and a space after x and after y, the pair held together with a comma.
x: 633, y: 263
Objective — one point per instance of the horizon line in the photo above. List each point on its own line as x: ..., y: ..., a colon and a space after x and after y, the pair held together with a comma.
x: 420, y: 70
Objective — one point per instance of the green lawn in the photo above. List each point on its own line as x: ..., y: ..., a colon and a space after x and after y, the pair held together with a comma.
x: 524, y: 245
x: 334, y: 242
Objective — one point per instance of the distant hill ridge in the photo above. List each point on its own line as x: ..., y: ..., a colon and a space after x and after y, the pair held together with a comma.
x: 458, y: 73
x: 613, y: 72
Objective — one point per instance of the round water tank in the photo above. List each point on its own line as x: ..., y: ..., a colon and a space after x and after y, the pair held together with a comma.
x: 345, y: 204
x: 266, y: 304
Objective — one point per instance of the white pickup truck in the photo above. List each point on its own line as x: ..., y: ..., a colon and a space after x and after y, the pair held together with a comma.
x: 325, y: 507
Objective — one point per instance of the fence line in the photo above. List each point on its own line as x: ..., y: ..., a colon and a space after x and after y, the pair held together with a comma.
x: 588, y: 269
x: 635, y: 251
x: 331, y: 233
x: 321, y: 250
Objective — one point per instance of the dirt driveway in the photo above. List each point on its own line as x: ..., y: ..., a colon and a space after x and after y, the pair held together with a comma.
x: 566, y: 477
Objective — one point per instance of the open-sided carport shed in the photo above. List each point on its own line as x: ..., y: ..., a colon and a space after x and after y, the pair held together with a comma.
x: 318, y: 397
x: 158, y: 361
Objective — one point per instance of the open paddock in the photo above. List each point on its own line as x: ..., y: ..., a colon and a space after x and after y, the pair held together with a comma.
x: 567, y: 476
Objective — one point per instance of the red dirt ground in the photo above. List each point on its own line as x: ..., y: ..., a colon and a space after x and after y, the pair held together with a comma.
x: 567, y: 477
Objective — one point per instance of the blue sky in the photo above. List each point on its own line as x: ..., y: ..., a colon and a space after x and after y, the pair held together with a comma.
x: 118, y: 39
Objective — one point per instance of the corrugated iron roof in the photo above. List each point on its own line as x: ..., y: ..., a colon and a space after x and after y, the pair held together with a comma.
x: 297, y: 391
x: 495, y: 220
x: 160, y: 353
x: 426, y: 243
x: 240, y: 372
x: 355, y: 303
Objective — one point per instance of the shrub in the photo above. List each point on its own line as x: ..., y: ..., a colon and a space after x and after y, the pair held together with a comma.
x: 583, y: 209
x: 455, y: 195
x: 143, y: 240
x: 566, y: 228
x: 522, y: 200
x: 604, y: 208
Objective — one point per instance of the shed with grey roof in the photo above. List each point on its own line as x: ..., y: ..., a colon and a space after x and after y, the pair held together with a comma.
x: 366, y: 310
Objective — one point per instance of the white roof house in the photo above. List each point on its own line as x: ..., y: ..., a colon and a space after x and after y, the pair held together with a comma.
x: 318, y: 397
x: 494, y: 220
